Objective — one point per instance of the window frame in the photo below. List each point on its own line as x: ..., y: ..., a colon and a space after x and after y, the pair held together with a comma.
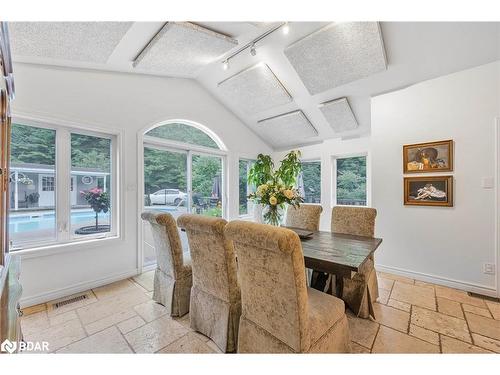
x: 190, y: 150
x: 316, y: 160
x: 62, y: 210
x: 368, y: 177
x: 250, y: 213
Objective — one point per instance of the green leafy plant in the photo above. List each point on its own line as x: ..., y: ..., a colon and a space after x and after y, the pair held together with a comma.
x: 275, y: 188
x: 98, y: 199
x: 262, y: 170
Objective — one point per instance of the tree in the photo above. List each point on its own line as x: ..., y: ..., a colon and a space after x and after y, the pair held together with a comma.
x: 311, y: 175
x: 351, y: 178
x: 33, y: 145
x: 90, y: 152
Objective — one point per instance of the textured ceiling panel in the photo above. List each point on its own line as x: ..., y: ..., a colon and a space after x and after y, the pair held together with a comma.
x: 288, y: 129
x: 339, y: 115
x: 338, y: 54
x: 76, y: 41
x: 254, y: 90
x: 183, y: 49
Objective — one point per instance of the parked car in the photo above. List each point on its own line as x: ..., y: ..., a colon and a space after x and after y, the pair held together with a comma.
x: 167, y: 196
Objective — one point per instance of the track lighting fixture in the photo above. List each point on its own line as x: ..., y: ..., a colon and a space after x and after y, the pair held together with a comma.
x: 253, y: 51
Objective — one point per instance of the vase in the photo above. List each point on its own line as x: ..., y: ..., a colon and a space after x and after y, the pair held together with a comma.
x: 273, y: 215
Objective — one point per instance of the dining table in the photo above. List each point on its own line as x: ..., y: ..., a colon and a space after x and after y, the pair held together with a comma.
x: 341, y: 255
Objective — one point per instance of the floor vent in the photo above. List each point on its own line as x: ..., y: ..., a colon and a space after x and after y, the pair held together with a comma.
x: 65, y: 302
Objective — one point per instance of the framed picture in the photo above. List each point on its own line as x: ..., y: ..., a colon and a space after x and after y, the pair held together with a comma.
x: 428, y: 157
x: 428, y: 191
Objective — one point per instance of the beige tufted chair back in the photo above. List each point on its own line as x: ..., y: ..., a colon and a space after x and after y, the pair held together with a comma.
x: 305, y: 217
x: 358, y: 221
x: 213, y: 259
x: 273, y: 285
x: 168, y: 246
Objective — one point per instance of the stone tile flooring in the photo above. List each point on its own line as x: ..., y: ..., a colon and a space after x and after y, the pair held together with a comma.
x: 411, y: 317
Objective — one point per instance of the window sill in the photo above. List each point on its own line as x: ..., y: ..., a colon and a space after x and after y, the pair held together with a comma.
x: 66, y: 247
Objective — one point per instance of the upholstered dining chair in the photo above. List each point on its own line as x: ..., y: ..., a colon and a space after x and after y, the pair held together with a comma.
x: 172, y: 280
x: 280, y: 314
x: 361, y: 290
x: 306, y: 217
x: 215, y: 296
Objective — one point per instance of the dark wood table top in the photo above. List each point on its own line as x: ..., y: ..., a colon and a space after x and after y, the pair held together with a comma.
x: 334, y: 252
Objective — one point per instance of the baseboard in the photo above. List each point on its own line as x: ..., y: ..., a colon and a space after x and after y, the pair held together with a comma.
x: 456, y: 284
x: 75, y: 288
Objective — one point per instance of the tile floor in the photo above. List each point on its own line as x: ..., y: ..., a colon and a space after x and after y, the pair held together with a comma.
x: 412, y: 317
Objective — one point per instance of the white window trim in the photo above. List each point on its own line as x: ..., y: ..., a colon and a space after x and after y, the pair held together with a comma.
x: 250, y: 214
x: 317, y: 160
x: 144, y: 140
x: 334, y: 177
x: 63, y: 236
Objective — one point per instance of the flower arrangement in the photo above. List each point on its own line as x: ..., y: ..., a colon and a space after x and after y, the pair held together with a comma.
x: 98, y: 199
x: 275, y: 188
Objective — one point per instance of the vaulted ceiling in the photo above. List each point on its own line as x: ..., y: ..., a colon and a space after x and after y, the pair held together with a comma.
x: 301, y: 84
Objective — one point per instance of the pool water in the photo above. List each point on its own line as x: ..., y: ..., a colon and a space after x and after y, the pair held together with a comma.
x: 46, y: 221
x: 33, y: 221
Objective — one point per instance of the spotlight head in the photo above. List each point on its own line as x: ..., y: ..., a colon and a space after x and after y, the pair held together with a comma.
x: 253, y: 51
x: 225, y: 65
x: 285, y: 28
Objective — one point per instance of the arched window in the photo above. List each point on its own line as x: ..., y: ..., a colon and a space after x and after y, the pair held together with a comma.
x: 184, y: 133
x: 183, y: 173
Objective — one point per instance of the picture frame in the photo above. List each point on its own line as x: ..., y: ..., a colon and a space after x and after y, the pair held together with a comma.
x: 428, y: 191
x: 428, y: 157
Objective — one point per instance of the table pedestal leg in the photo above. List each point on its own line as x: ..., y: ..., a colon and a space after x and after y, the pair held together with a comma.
x: 339, y: 284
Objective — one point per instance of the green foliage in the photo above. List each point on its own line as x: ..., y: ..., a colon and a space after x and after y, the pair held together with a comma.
x: 36, y: 145
x: 289, y: 169
x: 164, y: 170
x: 351, y: 178
x: 262, y: 171
x: 311, y: 175
x: 243, y: 185
x: 183, y: 133
x: 90, y: 152
x: 214, y: 212
x: 205, y: 169
x: 33, y: 145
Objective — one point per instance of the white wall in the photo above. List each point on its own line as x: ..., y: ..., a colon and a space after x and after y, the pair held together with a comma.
x: 446, y: 245
x: 126, y: 103
x: 326, y: 152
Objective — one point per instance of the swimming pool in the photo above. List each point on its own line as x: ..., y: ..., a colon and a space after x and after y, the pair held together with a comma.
x: 33, y: 221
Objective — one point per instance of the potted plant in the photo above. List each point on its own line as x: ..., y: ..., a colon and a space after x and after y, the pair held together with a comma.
x: 275, y: 188
x: 32, y: 199
x: 98, y: 199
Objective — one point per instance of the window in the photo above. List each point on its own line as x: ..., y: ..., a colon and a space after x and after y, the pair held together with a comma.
x: 40, y: 212
x: 183, y: 133
x: 244, y: 188
x: 183, y: 173
x: 351, y: 181
x: 309, y: 182
x: 47, y: 183
x: 91, y: 202
x: 32, y: 216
